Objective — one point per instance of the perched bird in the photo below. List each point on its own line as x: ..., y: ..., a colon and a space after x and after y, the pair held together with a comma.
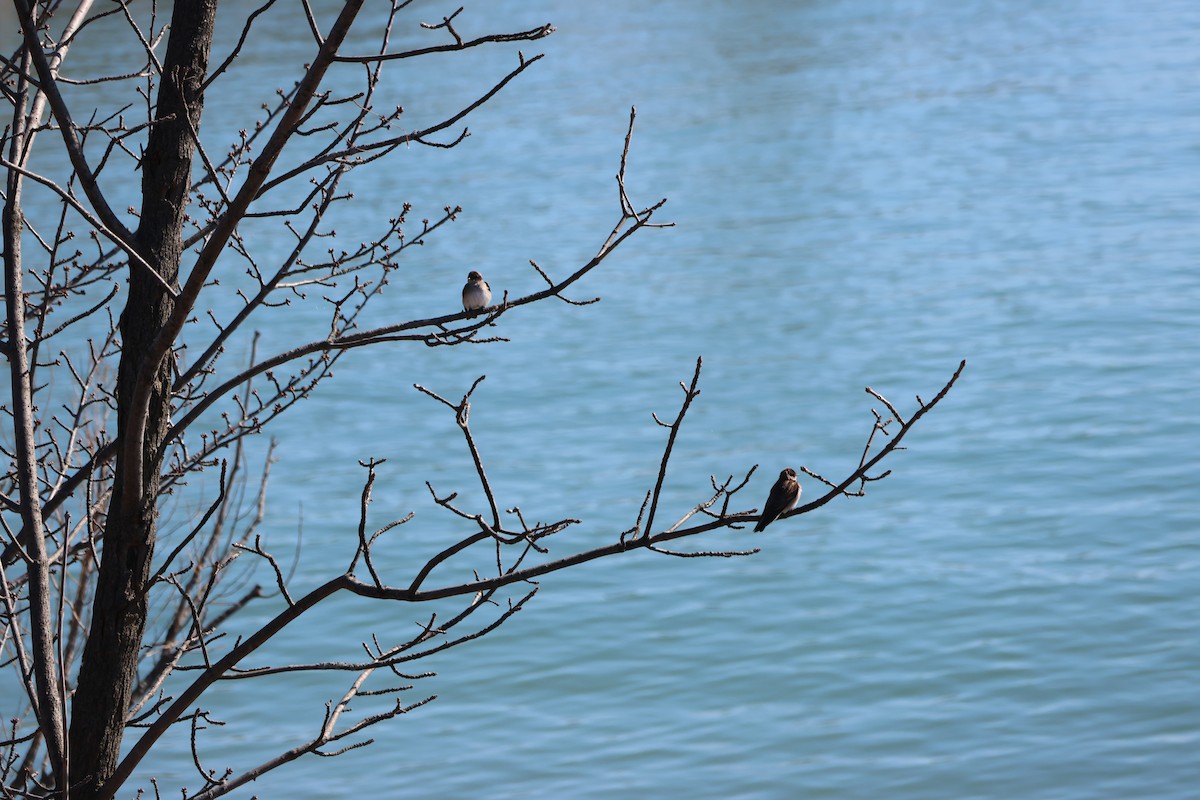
x: 476, y: 294
x: 782, y: 498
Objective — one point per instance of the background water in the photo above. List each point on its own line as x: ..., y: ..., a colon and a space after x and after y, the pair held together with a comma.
x: 865, y: 192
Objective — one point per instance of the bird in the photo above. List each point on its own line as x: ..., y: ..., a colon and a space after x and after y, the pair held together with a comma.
x: 476, y: 294
x: 782, y: 498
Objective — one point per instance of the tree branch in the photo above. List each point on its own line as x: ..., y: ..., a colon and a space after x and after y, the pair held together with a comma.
x: 46, y: 70
x: 218, y: 239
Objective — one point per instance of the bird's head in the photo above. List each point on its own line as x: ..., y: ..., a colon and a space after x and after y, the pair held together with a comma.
x: 474, y: 276
x: 788, y: 473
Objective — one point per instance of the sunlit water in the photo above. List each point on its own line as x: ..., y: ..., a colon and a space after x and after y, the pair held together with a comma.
x: 865, y: 193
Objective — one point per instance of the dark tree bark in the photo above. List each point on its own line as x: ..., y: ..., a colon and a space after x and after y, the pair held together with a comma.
x: 109, y: 666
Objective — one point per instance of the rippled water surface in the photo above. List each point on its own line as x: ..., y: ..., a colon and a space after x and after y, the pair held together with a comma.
x: 865, y: 193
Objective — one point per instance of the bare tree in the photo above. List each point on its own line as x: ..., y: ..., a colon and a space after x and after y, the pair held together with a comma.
x: 112, y: 621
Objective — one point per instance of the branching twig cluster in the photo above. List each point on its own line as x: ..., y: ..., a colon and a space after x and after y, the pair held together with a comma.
x: 161, y: 440
x: 522, y: 542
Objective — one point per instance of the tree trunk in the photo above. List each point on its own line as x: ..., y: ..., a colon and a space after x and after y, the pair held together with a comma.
x: 110, y: 658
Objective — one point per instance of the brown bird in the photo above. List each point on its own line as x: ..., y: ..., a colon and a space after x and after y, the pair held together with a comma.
x: 782, y: 498
x: 476, y: 294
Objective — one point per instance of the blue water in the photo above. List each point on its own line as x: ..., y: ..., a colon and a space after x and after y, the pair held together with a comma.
x: 864, y: 194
